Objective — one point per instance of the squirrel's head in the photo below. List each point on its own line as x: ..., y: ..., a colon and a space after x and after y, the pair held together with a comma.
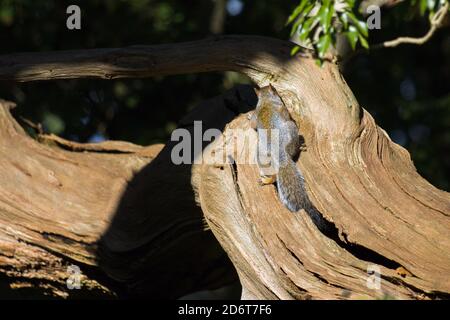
x: 268, y: 94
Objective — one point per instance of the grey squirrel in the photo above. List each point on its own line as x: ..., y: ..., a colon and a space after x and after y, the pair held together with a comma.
x: 271, y: 114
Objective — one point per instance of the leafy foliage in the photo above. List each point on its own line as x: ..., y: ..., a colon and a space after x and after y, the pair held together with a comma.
x: 318, y: 23
x: 313, y: 23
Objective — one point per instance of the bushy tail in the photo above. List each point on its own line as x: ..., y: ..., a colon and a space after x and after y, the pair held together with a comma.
x: 291, y: 186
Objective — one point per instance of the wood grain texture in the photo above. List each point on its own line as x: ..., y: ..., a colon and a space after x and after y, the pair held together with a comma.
x: 122, y: 213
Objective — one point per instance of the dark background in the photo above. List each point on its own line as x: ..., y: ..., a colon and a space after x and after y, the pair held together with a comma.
x: 406, y: 89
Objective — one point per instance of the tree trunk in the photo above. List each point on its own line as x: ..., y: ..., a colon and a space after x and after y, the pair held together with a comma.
x: 132, y: 219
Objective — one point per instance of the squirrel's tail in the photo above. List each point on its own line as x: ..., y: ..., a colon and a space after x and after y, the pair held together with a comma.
x: 291, y: 186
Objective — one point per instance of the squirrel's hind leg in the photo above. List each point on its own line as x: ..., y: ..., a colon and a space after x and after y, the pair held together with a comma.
x: 293, y: 145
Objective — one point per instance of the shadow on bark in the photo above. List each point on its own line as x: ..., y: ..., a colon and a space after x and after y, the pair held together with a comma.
x: 158, y: 244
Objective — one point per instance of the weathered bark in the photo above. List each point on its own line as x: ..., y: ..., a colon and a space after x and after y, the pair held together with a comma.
x: 379, y: 211
x: 124, y: 214
x: 221, y: 53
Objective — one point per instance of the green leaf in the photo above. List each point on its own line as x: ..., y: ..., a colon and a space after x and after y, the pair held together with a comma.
x: 344, y: 19
x: 360, y: 25
x: 323, y: 44
x: 300, y: 19
x: 363, y: 41
x: 306, y: 28
x: 295, y: 50
x: 352, y: 36
x: 329, y: 17
x: 322, y: 14
x: 295, y: 27
x: 297, y: 11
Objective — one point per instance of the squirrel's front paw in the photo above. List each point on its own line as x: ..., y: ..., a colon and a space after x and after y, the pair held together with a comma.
x: 251, y: 116
x: 264, y: 180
